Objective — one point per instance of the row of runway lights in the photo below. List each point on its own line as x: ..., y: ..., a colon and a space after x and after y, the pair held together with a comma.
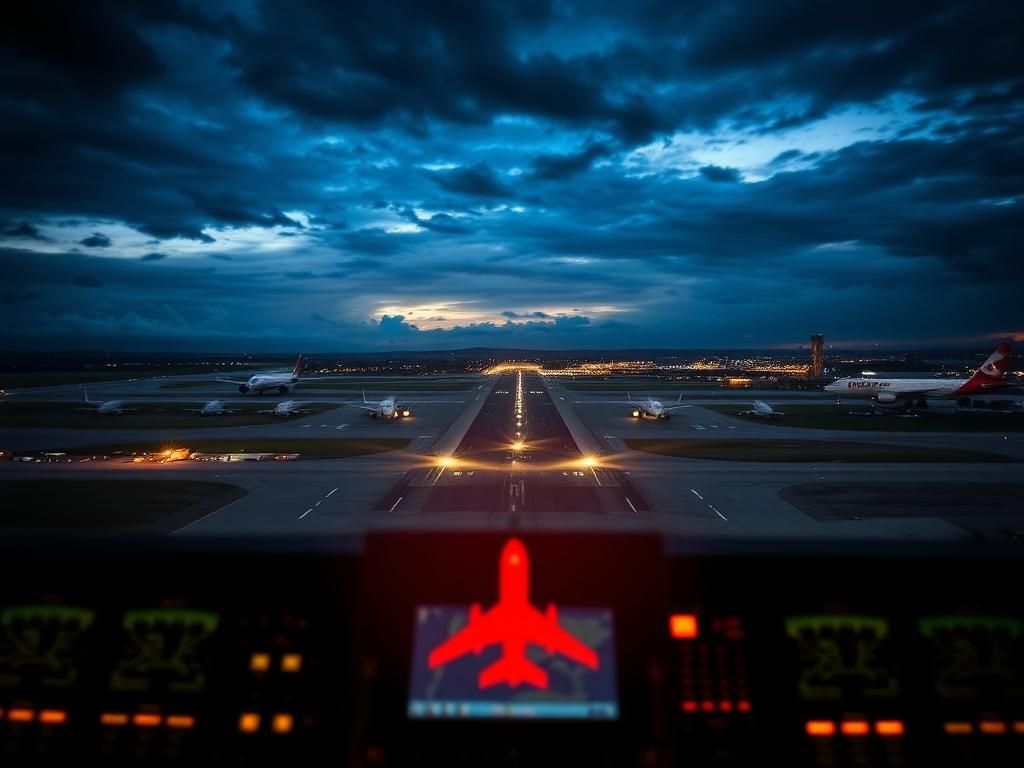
x: 519, y: 444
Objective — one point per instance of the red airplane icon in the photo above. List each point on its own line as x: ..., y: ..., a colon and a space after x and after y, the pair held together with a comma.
x: 513, y: 622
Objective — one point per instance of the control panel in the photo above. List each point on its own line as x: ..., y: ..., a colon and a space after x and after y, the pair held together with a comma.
x: 477, y: 649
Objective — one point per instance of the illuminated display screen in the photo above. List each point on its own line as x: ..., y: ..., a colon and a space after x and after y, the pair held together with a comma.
x: 844, y: 657
x: 486, y: 676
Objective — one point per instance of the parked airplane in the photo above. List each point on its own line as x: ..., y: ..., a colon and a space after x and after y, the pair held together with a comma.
x: 761, y: 409
x: 212, y: 408
x: 906, y: 393
x: 108, y: 408
x: 645, y: 409
x: 259, y: 383
x: 390, y: 408
x: 285, y: 408
x: 513, y: 623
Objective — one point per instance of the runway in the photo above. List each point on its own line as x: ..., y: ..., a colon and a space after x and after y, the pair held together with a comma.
x: 462, y: 469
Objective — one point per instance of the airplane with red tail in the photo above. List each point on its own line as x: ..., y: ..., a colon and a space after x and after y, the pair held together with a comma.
x: 908, y: 392
x: 514, y: 623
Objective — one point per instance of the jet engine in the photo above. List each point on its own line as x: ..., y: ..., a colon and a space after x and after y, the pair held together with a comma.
x: 243, y: 388
x: 886, y: 398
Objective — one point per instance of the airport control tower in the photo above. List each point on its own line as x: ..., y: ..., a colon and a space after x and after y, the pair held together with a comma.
x: 817, y: 355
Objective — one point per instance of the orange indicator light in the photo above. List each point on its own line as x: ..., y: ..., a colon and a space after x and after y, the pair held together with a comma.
x: 682, y: 626
x: 855, y: 728
x: 283, y: 722
x: 114, y: 718
x: 958, y: 728
x: 889, y: 727
x: 21, y: 715
x: 1018, y: 726
x: 249, y: 722
x: 291, y: 662
x: 820, y: 728
x: 146, y: 719
x: 180, y: 721
x: 259, y: 662
x: 53, y: 716
x: 992, y: 727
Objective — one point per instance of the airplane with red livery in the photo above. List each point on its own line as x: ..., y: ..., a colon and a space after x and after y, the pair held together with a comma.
x: 514, y: 623
x: 906, y: 393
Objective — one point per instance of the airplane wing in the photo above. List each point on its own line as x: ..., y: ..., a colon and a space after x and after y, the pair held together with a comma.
x: 543, y: 629
x: 480, y: 632
x: 230, y: 381
x: 362, y: 407
x: 418, y: 402
x: 674, y: 407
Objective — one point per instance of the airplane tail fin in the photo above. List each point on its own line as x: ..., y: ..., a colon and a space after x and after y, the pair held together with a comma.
x: 992, y: 372
x: 297, y: 370
x: 680, y: 398
x: 85, y: 394
x: 515, y: 672
x: 364, y: 396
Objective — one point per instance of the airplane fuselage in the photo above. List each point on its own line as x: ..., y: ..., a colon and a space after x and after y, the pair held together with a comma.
x: 886, y: 389
x: 258, y: 385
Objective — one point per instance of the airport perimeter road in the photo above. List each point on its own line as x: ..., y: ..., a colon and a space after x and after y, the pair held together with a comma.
x: 516, y: 465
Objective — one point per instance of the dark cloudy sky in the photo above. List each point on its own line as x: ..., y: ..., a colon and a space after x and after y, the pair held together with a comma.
x: 351, y: 176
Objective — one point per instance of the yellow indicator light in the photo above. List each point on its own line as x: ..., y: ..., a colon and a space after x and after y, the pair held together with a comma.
x: 259, y: 662
x: 180, y: 721
x: 113, y: 718
x: 249, y: 722
x: 291, y: 662
x: 53, y: 716
x: 682, y: 626
x: 992, y: 727
x: 958, y: 728
x: 283, y: 723
x: 21, y: 715
x: 146, y: 719
x: 889, y: 727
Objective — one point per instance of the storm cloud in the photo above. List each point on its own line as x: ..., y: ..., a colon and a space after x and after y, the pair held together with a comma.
x: 412, y: 174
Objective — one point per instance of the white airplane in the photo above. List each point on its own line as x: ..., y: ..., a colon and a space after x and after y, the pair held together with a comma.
x: 390, y: 408
x: 285, y: 408
x: 108, y: 408
x: 212, y: 408
x: 259, y: 383
x: 762, y: 409
x: 645, y: 409
x: 909, y: 392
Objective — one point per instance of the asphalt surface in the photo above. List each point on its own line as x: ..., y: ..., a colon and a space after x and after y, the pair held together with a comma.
x: 549, y: 484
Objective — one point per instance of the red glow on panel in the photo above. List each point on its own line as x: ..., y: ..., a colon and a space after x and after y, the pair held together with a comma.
x: 682, y: 626
x: 889, y: 727
x: 725, y: 706
x: 820, y: 728
x: 689, y: 706
x: 514, y: 623
x: 855, y: 728
x: 743, y: 706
